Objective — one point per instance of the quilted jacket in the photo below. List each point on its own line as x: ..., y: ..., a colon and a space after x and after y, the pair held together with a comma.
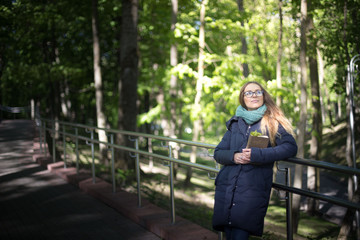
x: 242, y: 191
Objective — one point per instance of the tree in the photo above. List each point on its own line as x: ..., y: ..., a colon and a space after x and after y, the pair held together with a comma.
x: 303, y: 113
x: 100, y: 116
x: 127, y: 111
x: 280, y: 52
x: 244, y: 47
x: 313, y: 174
x: 199, y: 89
x: 174, y: 83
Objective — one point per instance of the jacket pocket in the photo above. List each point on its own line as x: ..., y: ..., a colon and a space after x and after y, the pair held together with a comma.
x: 219, y: 177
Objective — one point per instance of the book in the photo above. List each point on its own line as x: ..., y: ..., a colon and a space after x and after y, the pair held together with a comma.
x: 258, y: 141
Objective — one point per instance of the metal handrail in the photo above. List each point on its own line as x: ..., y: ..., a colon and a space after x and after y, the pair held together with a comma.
x: 307, y: 193
x: 307, y: 162
x: 138, y: 134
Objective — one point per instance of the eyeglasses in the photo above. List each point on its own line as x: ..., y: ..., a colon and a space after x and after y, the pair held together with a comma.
x: 257, y: 93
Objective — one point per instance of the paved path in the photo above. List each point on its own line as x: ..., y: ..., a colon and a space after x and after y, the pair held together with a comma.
x: 35, y: 204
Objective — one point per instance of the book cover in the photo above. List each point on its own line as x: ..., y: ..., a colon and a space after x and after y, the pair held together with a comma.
x: 258, y: 141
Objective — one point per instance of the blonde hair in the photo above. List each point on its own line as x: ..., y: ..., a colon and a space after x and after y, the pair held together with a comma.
x: 272, y: 116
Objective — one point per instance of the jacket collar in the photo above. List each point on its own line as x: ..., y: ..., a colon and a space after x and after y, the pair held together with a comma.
x: 240, y: 122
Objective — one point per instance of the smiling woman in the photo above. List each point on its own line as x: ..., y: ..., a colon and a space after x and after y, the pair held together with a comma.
x: 243, y: 185
x: 253, y: 97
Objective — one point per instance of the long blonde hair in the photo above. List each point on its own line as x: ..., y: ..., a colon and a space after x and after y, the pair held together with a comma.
x: 272, y: 116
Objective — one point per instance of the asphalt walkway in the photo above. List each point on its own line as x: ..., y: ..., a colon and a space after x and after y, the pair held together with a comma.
x: 37, y: 204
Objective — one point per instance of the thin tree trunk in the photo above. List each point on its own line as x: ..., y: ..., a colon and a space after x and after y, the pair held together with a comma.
x: 278, y: 74
x: 160, y: 98
x: 199, y: 86
x: 173, y: 63
x: 313, y: 174
x: 323, y: 88
x: 100, y: 116
x: 244, y: 48
x: 303, y: 114
x: 348, y: 135
x: 349, y: 218
x: 264, y: 72
x: 280, y: 51
x: 65, y: 102
x: 51, y: 56
x: 128, y: 81
x: 148, y: 129
x: 316, y: 136
x: 173, y: 85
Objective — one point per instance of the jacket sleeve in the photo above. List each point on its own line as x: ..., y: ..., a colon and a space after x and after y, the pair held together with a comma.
x: 222, y: 153
x: 286, y: 147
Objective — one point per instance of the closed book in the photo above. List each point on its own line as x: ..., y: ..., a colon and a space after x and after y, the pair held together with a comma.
x: 258, y: 141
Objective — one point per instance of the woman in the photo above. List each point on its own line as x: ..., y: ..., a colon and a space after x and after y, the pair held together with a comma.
x: 244, y: 183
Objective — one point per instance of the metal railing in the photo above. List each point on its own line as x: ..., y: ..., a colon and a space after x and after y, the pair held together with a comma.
x: 49, y: 125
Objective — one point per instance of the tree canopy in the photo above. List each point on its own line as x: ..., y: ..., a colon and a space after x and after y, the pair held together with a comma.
x: 46, y: 52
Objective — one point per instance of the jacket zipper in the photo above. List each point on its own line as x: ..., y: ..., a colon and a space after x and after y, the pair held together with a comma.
x: 248, y: 131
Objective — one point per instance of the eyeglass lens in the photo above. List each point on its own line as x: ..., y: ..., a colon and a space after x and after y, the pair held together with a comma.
x: 257, y: 93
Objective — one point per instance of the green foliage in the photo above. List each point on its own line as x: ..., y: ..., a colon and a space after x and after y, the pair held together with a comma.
x: 46, y: 52
x: 149, y: 116
x: 121, y: 175
x: 255, y: 133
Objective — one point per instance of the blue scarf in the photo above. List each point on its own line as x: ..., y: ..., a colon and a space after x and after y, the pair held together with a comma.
x: 250, y: 117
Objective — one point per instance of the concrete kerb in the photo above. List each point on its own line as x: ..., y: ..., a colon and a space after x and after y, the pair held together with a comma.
x: 150, y: 216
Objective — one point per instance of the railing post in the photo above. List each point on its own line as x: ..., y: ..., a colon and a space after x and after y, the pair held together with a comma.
x: 45, y: 143
x: 288, y: 206
x: 172, y: 195
x: 288, y: 202
x: 220, y: 235
x: 77, y: 149
x: 53, y: 141
x: 40, y: 139
x: 64, y: 146
x: 138, y: 172
x: 93, y: 156
x: 112, y: 163
x: 137, y: 166
x: 92, y: 153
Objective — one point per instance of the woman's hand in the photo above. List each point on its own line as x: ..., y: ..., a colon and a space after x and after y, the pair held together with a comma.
x: 243, y: 157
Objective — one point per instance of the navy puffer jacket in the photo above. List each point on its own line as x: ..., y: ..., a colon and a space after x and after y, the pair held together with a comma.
x: 242, y: 191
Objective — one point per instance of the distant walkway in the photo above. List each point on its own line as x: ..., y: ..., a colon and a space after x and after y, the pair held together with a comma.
x: 37, y: 204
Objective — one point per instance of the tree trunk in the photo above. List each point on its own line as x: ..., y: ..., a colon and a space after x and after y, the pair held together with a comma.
x: 100, y: 116
x: 50, y: 56
x: 349, y: 218
x: 199, y: 87
x: 148, y: 129
x: 316, y: 136
x: 323, y: 88
x: 173, y: 86
x: 278, y: 62
x: 65, y: 102
x: 348, y: 157
x: 313, y: 174
x: 244, y: 47
x: 278, y: 75
x: 303, y: 114
x: 173, y: 63
x: 265, y: 74
x: 128, y: 81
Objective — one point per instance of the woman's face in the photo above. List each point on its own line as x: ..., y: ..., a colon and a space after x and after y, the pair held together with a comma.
x: 251, y: 97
